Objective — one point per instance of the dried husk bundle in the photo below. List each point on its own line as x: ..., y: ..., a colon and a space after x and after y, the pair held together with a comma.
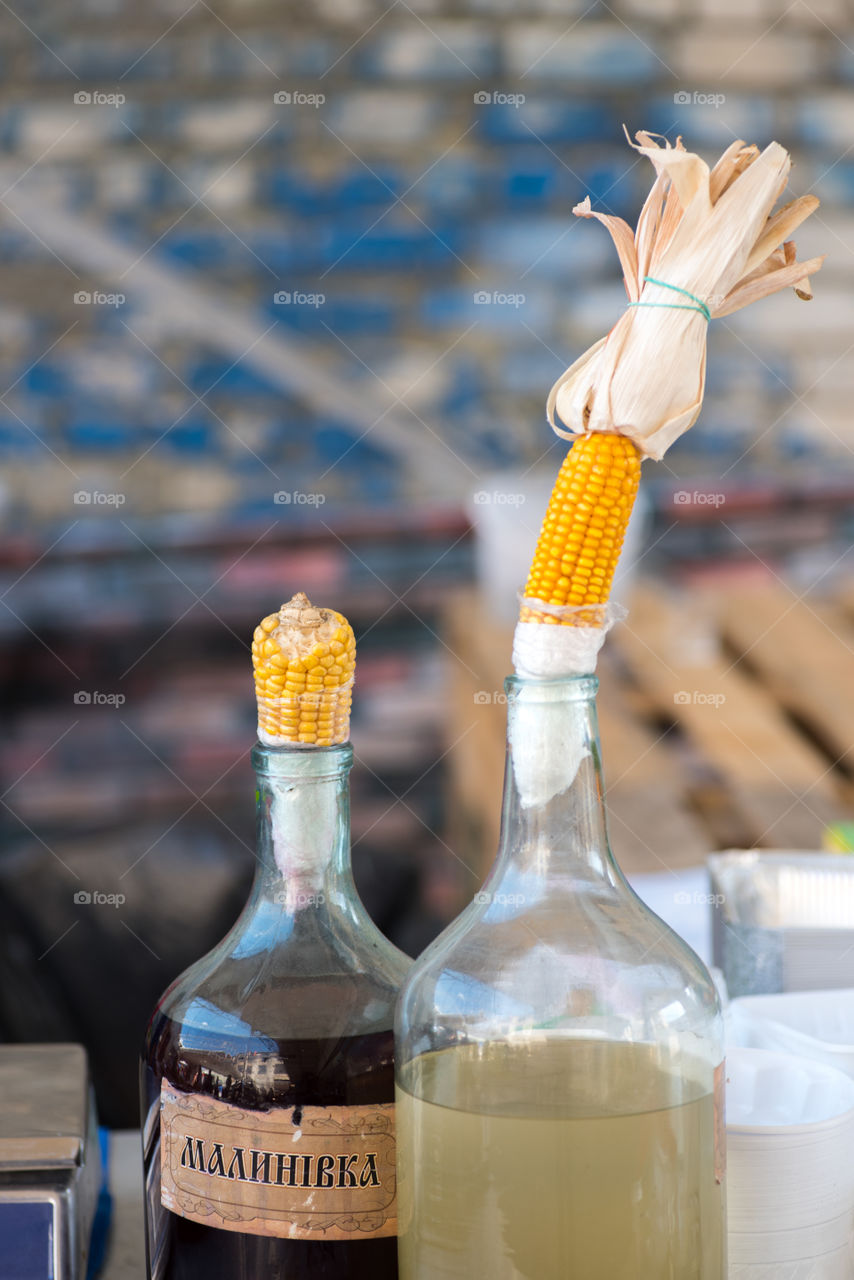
x: 711, y: 233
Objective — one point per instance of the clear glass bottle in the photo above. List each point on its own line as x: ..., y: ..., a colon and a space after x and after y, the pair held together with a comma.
x: 559, y: 1049
x: 267, y: 1072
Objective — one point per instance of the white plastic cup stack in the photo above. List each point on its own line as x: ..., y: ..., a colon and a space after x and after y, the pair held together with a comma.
x: 810, y: 1024
x: 790, y: 1168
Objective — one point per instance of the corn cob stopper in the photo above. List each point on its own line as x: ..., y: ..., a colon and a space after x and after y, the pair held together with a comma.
x: 583, y: 530
x: 304, y: 660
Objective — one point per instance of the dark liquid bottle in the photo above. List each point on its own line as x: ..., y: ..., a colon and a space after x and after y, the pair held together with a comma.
x: 267, y: 1072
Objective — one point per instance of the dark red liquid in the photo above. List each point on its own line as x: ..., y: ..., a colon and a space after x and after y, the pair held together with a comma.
x: 258, y: 1074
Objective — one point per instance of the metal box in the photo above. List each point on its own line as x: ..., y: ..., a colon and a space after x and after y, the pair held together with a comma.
x: 49, y: 1162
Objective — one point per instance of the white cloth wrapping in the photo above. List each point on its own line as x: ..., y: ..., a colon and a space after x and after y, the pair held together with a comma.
x: 545, y: 652
x: 547, y: 744
x: 303, y: 828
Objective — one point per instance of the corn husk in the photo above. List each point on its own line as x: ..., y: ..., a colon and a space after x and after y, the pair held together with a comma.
x: 711, y: 232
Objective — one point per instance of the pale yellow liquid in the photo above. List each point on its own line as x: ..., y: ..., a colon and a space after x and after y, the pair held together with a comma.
x: 515, y: 1163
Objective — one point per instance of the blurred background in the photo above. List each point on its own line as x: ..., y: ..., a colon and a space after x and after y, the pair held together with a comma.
x: 284, y: 288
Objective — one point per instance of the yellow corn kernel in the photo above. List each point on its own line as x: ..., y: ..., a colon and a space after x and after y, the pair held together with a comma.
x: 584, y: 526
x: 304, y: 659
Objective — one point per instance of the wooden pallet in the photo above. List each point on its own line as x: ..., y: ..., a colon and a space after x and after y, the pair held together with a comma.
x: 726, y: 715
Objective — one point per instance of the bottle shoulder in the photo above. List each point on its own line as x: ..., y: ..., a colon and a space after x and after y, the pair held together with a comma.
x: 600, y: 960
x: 597, y: 924
x: 305, y: 977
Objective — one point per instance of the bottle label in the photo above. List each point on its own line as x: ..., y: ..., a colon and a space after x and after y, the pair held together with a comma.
x: 720, y: 1121
x: 309, y: 1173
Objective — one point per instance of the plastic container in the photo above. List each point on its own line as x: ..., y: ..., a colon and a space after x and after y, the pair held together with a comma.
x: 783, y: 920
x: 812, y: 1024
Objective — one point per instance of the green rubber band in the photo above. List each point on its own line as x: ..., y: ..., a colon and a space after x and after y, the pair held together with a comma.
x: 675, y: 306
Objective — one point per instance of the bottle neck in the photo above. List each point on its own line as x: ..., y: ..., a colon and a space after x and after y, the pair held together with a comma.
x: 553, y: 821
x: 303, y: 826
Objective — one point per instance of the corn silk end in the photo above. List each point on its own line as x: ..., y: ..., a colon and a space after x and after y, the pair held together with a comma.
x: 548, y: 740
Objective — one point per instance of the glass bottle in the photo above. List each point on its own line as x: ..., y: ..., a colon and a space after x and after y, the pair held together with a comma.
x: 559, y: 1051
x: 267, y: 1071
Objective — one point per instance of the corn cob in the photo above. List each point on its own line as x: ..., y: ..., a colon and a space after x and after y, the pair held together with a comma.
x: 584, y: 527
x: 304, y: 659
